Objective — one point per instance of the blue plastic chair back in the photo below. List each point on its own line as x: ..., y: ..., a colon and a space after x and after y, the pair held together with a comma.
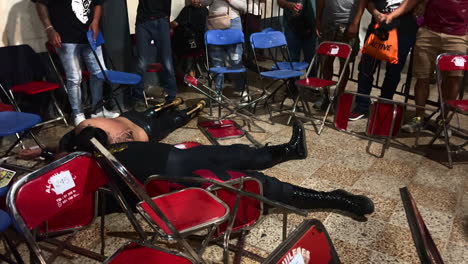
x: 16, y: 122
x: 224, y: 37
x: 268, y: 40
x: 95, y: 43
x: 268, y: 29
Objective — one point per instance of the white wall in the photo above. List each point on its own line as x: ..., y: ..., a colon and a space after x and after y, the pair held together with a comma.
x: 21, y: 25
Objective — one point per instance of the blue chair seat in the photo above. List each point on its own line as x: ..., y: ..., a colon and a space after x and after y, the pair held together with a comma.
x: 284, y: 65
x: 227, y: 70
x: 281, y: 74
x: 5, y: 220
x: 16, y: 122
x: 120, y: 77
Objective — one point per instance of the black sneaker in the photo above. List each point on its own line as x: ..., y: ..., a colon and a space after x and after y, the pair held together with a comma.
x: 353, y: 116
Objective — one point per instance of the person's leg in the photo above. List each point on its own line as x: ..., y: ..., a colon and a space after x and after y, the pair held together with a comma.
x: 239, y: 157
x: 235, y: 57
x: 93, y: 66
x: 162, y: 39
x: 305, y: 198
x: 308, y: 47
x: 217, y: 56
x: 393, y: 72
x: 143, y: 49
x: 70, y: 57
x: 294, y: 44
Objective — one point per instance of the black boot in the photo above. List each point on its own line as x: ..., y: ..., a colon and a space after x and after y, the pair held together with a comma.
x: 339, y: 199
x: 296, y: 148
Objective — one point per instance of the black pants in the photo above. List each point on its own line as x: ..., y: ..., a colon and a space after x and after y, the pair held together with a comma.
x: 146, y: 159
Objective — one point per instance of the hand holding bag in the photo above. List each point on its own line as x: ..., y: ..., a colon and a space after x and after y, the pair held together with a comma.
x: 219, y: 21
x: 382, y: 45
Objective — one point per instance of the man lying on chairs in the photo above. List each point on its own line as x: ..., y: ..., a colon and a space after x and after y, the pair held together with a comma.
x: 144, y: 159
x: 153, y: 124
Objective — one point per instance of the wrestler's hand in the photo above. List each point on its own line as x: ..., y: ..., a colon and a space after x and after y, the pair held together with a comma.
x: 29, y: 154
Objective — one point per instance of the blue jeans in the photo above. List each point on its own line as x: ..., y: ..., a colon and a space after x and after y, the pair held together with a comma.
x: 231, y: 53
x: 69, y: 54
x: 158, y: 31
x: 367, y: 67
x: 296, y: 44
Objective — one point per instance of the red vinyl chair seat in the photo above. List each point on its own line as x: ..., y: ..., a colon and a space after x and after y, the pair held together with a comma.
x: 6, y: 107
x: 34, y: 87
x: 135, y: 253
x: 315, y: 82
x: 154, y: 67
x: 459, y: 105
x: 178, y: 208
x: 220, y: 129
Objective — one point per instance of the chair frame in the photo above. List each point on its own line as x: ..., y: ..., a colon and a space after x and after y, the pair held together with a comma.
x: 331, y: 96
x: 30, y: 236
x: 447, y: 113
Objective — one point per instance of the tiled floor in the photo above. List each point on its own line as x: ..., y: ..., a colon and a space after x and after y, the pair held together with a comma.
x: 339, y: 160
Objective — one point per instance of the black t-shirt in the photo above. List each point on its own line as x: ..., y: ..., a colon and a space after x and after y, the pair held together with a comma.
x: 153, y: 9
x: 193, y: 15
x: 71, y: 18
x: 406, y: 22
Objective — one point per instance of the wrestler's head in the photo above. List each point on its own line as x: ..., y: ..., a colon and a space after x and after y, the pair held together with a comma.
x: 71, y: 142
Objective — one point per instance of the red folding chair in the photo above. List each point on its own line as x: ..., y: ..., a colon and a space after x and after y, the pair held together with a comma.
x: 172, y: 215
x: 52, y: 190
x: 326, y: 49
x: 309, y: 243
x: 448, y: 108
x: 13, y: 56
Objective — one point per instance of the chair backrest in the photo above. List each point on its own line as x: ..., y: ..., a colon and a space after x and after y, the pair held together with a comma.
x: 309, y: 241
x: 268, y: 40
x: 343, y: 110
x: 95, y: 43
x: 385, y: 119
x: 224, y: 37
x: 335, y: 49
x: 452, y: 62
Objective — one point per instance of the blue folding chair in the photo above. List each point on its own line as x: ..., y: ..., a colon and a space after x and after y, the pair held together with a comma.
x: 5, y: 223
x: 12, y: 123
x: 269, y: 41
x: 110, y: 76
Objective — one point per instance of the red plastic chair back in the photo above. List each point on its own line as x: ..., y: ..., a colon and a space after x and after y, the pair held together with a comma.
x: 6, y: 107
x: 55, y: 188
x: 135, y: 253
x: 343, y: 111
x: 381, y: 118
x: 224, y: 128
x: 334, y: 49
x: 452, y: 62
x: 310, y: 241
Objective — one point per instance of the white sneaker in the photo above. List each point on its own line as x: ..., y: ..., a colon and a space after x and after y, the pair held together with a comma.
x: 105, y: 113
x: 79, y: 118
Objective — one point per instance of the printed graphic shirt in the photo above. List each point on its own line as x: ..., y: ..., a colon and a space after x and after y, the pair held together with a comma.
x: 406, y: 22
x: 447, y: 16
x: 71, y: 18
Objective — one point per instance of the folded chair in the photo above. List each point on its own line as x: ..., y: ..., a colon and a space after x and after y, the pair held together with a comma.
x: 24, y: 73
x: 110, y: 76
x: 326, y: 49
x: 174, y: 215
x: 51, y: 191
x: 448, y: 108
x: 281, y: 75
x: 308, y: 243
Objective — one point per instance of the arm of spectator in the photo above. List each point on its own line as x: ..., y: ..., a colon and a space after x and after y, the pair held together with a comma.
x: 320, y: 5
x: 353, y: 28
x: 173, y: 24
x: 289, y: 5
x: 405, y: 7
x: 95, y: 23
x: 52, y: 36
x: 203, y: 2
x: 379, y: 17
x: 240, y: 5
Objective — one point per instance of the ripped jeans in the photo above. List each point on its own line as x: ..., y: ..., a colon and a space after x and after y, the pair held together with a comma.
x: 234, y: 53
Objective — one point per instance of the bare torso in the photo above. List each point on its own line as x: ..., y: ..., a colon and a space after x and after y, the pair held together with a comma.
x: 118, y: 129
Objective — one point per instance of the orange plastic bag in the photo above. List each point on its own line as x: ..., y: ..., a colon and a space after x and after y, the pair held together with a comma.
x: 382, y: 47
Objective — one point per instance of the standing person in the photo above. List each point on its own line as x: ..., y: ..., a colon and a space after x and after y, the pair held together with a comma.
x: 338, y: 20
x: 445, y: 29
x: 66, y: 23
x: 152, y: 24
x: 298, y: 27
x: 220, y: 54
x: 389, y: 14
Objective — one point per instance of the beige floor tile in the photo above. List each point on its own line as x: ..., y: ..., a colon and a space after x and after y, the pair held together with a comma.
x: 377, y: 258
x: 395, y: 168
x: 433, y: 197
x: 381, y: 184
x: 384, y: 206
x: 455, y: 253
x: 335, y: 173
x: 350, y: 253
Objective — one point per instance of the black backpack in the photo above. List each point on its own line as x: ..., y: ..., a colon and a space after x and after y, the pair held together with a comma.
x: 187, y: 39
